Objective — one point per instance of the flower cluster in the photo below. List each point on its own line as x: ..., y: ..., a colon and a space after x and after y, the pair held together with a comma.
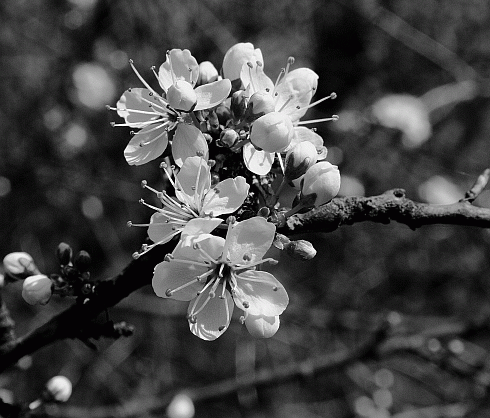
x: 222, y: 138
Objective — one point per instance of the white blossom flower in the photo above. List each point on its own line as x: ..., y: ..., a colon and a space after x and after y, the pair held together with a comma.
x: 37, y: 289
x: 292, y: 93
x: 215, y: 274
x: 197, y: 204
x: 158, y: 114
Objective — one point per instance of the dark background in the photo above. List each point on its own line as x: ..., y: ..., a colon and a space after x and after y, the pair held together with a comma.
x: 414, y: 113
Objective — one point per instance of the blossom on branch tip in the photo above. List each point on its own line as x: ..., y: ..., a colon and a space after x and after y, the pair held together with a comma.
x: 215, y: 274
x: 156, y: 115
x: 196, y: 205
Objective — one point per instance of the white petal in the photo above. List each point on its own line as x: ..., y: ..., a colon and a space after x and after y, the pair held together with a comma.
x: 146, y: 145
x: 184, y: 67
x: 214, y: 319
x: 209, y: 244
x: 260, y: 296
x: 255, y: 78
x: 226, y: 197
x: 258, y: 162
x: 137, y: 99
x: 199, y: 226
x: 172, y: 274
x: 261, y: 326
x: 252, y: 237
x: 188, y: 142
x: 212, y: 94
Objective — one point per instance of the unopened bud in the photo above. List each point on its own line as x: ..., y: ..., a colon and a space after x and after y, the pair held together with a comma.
x: 320, y: 184
x: 280, y: 241
x: 207, y: 73
x: 82, y: 261
x: 238, y: 105
x: 299, y: 159
x: 37, y: 289
x: 272, y: 132
x: 228, y: 138
x: 300, y: 249
x: 19, y: 265
x: 260, y: 326
x: 64, y: 253
x: 181, y: 96
x: 181, y: 406
x: 259, y: 104
x: 58, y: 389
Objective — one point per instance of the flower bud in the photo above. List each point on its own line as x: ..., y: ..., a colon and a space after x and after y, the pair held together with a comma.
x: 260, y: 326
x: 207, y: 73
x: 228, y: 138
x: 82, y: 261
x: 259, y: 104
x: 58, y: 389
x: 181, y: 406
x: 299, y: 159
x: 300, y: 249
x: 272, y: 132
x: 19, y: 265
x: 37, y: 289
x: 181, y: 96
x: 238, y: 105
x: 320, y: 184
x: 64, y: 253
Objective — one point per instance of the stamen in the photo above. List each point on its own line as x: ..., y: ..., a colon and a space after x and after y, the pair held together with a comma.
x: 281, y: 74
x: 286, y: 103
x: 332, y: 96
x: 197, y: 246
x: 158, y: 79
x: 142, y: 79
x: 266, y: 260
x: 190, y: 262
x: 143, y: 112
x: 231, y: 222
x: 130, y: 224
x: 250, y: 67
x: 306, y: 122
x: 281, y: 163
x: 170, y: 292
x: 197, y: 192
x: 290, y: 62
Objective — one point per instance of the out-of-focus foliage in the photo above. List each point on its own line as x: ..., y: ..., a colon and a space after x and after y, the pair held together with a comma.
x: 63, y: 177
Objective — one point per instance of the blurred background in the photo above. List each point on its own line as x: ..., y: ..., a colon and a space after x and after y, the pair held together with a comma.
x: 413, y: 100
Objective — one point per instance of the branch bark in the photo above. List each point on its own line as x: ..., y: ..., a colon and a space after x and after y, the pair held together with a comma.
x: 389, y: 206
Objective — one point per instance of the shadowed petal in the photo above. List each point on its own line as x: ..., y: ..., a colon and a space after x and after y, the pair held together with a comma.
x: 226, y: 197
x: 296, y: 89
x: 187, y: 177
x: 160, y: 230
x: 258, y: 162
x: 252, y: 237
x: 212, y: 94
x: 188, y: 142
x: 146, y: 145
x: 137, y: 99
x: 214, y: 319
x: 255, y: 289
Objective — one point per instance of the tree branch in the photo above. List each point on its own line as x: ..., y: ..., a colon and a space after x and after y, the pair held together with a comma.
x: 389, y: 206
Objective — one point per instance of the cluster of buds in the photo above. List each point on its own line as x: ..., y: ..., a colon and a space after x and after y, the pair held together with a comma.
x: 37, y: 288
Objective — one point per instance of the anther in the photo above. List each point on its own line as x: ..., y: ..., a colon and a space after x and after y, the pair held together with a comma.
x: 250, y: 64
x: 163, y: 165
x: 291, y: 60
x: 333, y: 95
x: 247, y: 257
x: 168, y: 257
x: 144, y: 183
x: 212, y: 294
x: 273, y: 262
x: 230, y: 220
x: 136, y: 255
x: 141, y: 201
x: 335, y: 117
x: 245, y: 305
x: 129, y: 224
x: 221, y: 328
x: 113, y: 124
x: 192, y: 319
x: 242, y: 320
x: 168, y: 292
x: 259, y: 63
x: 152, y: 68
x: 131, y: 61
x: 107, y: 107
x: 275, y: 288
x: 196, y: 246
